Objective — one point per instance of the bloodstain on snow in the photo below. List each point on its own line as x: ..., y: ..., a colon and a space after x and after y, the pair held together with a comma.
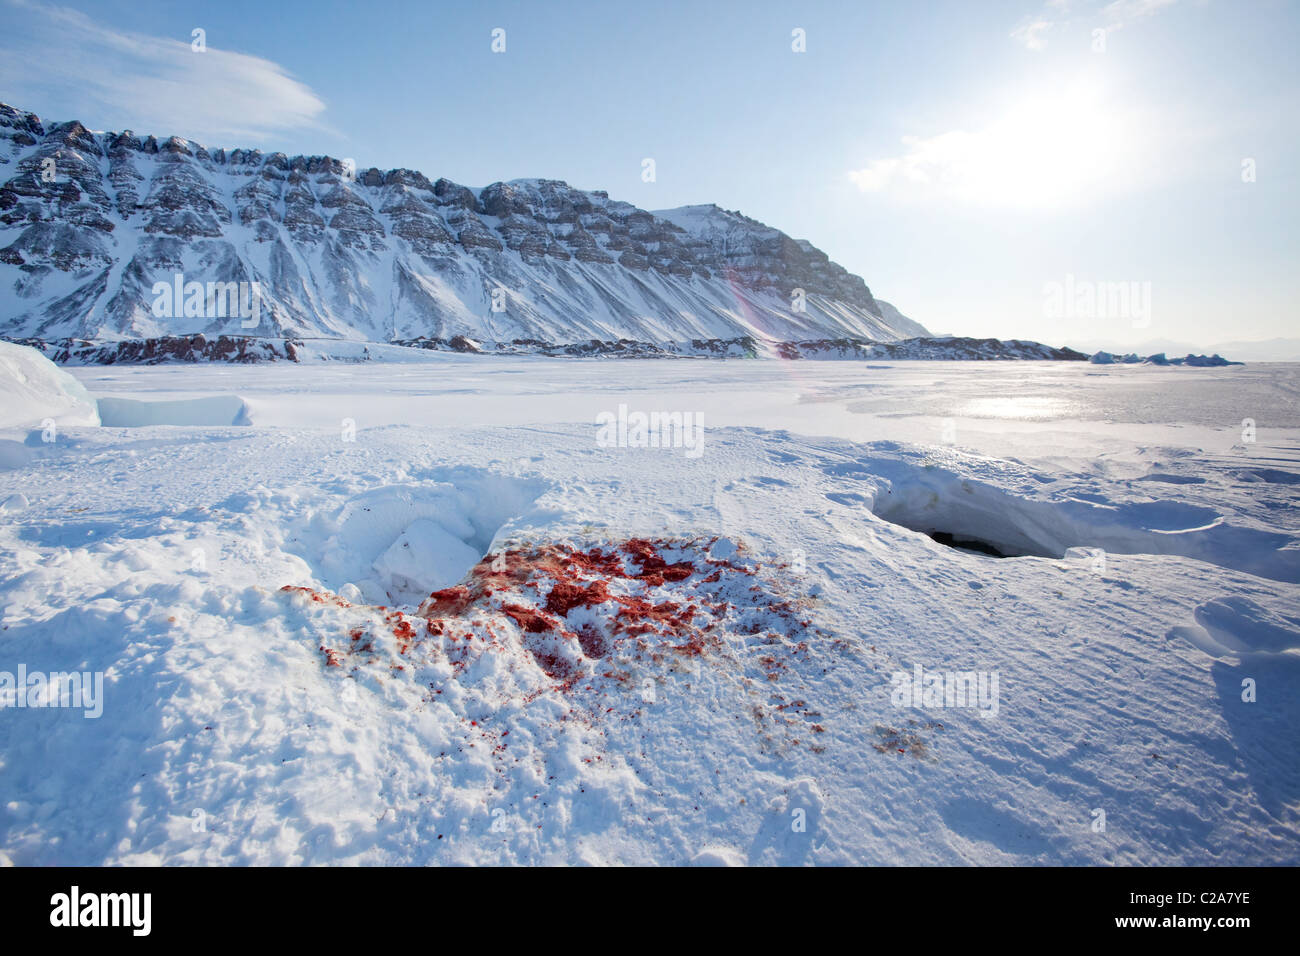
x: 574, y: 606
x: 402, y: 630
x: 590, y: 623
x: 448, y: 601
x: 319, y: 597
x: 565, y: 596
x: 529, y: 619
x: 903, y: 741
x: 594, y: 644
x: 654, y: 569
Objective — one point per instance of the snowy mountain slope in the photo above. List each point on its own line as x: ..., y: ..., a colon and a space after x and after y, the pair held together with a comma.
x: 897, y: 320
x: 757, y: 253
x: 377, y: 256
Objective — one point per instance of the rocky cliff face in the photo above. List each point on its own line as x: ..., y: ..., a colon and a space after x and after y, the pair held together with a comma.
x: 90, y: 222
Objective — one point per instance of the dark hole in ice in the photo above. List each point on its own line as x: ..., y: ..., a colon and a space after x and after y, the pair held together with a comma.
x: 972, y: 518
x: 969, y: 544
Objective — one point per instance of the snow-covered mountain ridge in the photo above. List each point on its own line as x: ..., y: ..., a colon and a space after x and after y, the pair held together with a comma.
x: 89, y: 222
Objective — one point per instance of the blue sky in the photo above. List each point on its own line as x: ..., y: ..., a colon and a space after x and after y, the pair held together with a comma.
x: 964, y: 158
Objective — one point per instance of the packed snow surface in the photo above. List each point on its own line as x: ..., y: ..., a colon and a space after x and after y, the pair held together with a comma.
x: 423, y: 613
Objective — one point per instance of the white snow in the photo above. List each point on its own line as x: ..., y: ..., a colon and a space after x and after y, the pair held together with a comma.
x: 425, y: 558
x: 399, y: 542
x: 33, y: 389
x: 280, y: 688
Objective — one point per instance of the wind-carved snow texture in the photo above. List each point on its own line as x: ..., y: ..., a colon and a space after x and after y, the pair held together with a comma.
x: 1238, y: 627
x: 383, y: 256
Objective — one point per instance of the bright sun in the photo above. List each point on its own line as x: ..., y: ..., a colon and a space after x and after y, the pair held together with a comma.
x: 1048, y: 149
x: 1045, y: 149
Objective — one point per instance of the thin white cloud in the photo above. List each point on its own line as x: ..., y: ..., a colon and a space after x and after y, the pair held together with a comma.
x: 146, y: 83
x: 1049, y: 150
x: 1120, y: 12
x: 1115, y: 15
x: 1032, y: 34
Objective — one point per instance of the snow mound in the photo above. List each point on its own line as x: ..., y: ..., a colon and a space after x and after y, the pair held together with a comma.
x: 33, y: 389
x: 552, y: 661
x: 397, y: 543
x: 600, y: 633
x: 424, y: 558
x: 1237, y: 626
x: 718, y: 856
x: 215, y: 410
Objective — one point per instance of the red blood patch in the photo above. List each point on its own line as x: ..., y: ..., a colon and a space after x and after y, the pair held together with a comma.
x: 538, y: 588
x: 564, y: 597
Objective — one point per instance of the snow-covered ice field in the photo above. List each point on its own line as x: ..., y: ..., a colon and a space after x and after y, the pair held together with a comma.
x: 666, y: 655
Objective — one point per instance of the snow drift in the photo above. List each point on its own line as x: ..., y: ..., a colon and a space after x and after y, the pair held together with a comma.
x: 133, y: 413
x: 34, y: 389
